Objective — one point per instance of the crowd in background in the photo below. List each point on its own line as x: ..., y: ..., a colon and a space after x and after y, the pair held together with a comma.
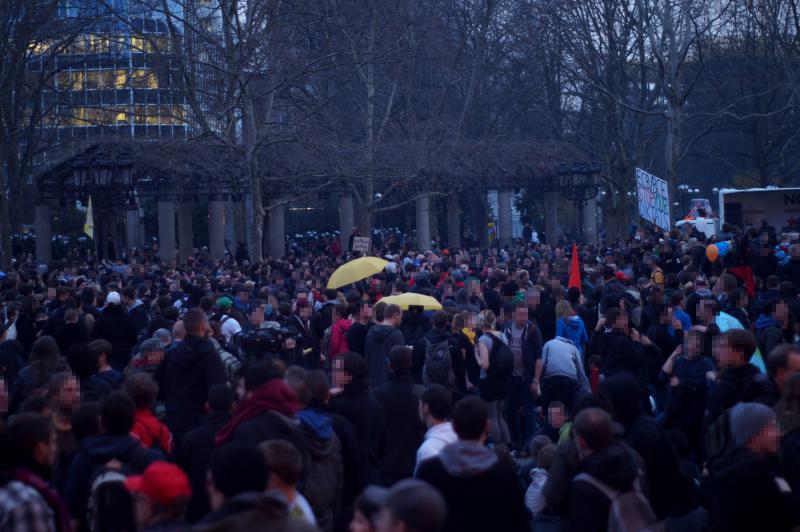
x: 658, y: 388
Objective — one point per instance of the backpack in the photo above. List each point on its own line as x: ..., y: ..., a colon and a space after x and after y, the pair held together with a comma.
x: 110, y: 505
x: 630, y: 511
x: 437, y: 368
x: 501, y: 359
x: 718, y: 436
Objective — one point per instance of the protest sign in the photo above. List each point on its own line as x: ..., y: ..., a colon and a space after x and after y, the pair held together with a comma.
x: 361, y: 243
x: 653, y: 197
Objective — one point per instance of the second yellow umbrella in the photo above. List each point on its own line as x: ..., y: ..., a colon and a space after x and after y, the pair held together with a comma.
x: 413, y: 300
x: 356, y: 270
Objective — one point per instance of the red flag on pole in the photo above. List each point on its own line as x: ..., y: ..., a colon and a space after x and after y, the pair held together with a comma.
x: 574, y: 269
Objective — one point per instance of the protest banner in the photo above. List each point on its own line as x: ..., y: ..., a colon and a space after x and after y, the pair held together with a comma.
x: 653, y: 197
x: 361, y: 243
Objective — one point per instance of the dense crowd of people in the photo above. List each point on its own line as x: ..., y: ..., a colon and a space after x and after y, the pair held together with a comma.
x: 659, y: 389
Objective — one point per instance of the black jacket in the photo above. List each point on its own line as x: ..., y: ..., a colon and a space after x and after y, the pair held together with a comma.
x: 357, y: 337
x: 12, y: 360
x: 587, y: 507
x: 185, y: 376
x: 68, y: 334
x: 380, y: 340
x: 790, y: 458
x: 437, y: 336
x: 116, y: 326
x: 531, y: 348
x: 404, y: 431
x: 746, y: 497
x: 671, y: 493
x: 194, y: 457
x: 270, y: 425
x: 359, y: 406
x: 741, y: 384
x: 485, y: 493
x: 354, y: 457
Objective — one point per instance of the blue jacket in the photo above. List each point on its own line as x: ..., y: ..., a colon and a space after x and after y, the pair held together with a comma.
x: 574, y: 330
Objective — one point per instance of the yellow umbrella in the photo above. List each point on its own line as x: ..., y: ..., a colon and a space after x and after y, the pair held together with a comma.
x: 413, y: 300
x: 355, y: 270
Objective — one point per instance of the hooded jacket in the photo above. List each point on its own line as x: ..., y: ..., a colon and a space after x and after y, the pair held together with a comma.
x: 95, y: 451
x: 587, y: 507
x: 255, y: 512
x: 768, y: 334
x: 486, y: 493
x: 380, y: 340
x: 324, y: 474
x: 338, y: 344
x: 187, y: 373
x: 573, y: 329
x: 746, y: 496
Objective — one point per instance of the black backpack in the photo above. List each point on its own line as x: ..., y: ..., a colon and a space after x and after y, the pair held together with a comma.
x: 110, y: 505
x: 501, y: 359
x: 437, y: 368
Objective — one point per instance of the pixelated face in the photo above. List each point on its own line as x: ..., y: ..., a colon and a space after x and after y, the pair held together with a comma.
x: 69, y: 395
x: 338, y: 377
x: 520, y: 313
x: 556, y: 416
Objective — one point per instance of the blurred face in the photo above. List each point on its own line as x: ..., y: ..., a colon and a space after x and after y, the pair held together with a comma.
x: 782, y: 312
x: 783, y: 374
x: 338, y: 377
x: 154, y: 358
x: 69, y: 396
x: 533, y: 298
x: 724, y: 354
x: 694, y: 346
x: 365, y: 312
x: 556, y: 416
x: 388, y: 523
x: 766, y: 442
x: 521, y: 314
x: 360, y: 523
x: 621, y: 323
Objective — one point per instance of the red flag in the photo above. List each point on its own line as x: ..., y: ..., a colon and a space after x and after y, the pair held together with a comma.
x: 745, y: 274
x: 574, y: 269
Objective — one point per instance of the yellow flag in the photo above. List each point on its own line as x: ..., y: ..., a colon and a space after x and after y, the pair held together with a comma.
x: 88, y: 225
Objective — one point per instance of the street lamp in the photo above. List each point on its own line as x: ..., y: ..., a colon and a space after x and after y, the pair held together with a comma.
x: 579, y: 182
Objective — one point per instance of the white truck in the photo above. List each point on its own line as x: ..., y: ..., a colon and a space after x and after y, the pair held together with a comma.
x: 780, y: 207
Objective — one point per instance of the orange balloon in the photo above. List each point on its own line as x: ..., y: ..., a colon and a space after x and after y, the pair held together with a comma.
x: 712, y: 252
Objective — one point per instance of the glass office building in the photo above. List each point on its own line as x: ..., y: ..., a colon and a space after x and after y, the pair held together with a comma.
x: 119, y: 77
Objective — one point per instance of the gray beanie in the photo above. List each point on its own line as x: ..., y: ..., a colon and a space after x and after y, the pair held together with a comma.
x: 747, y: 420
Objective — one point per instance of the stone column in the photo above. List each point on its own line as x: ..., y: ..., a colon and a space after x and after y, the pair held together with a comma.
x: 346, y: 220
x: 44, y: 233
x: 230, y: 230
x: 504, y: 231
x: 590, y: 221
x: 423, y: 223
x: 551, y: 217
x: 166, y: 230
x: 277, y: 230
x: 132, y: 226
x: 185, y: 230
x: 216, y: 228
x: 453, y: 221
